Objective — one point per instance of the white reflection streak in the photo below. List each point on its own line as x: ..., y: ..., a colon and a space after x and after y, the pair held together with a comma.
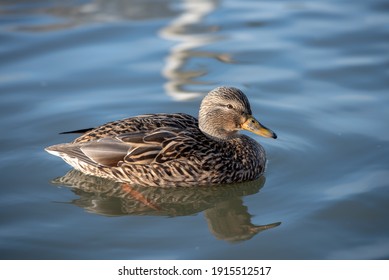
x: 358, y: 185
x: 193, y: 12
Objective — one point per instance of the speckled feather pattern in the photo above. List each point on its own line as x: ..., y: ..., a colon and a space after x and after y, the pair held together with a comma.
x: 163, y: 150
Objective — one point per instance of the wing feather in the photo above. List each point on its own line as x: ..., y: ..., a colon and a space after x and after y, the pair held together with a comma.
x: 106, y: 151
x: 140, y: 140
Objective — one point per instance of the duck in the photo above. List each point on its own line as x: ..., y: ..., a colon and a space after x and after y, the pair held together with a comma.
x: 174, y: 149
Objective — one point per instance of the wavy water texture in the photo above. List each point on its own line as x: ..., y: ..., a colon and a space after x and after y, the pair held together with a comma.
x: 316, y: 72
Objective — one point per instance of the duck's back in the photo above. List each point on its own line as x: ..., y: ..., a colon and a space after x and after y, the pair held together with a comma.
x: 141, y: 123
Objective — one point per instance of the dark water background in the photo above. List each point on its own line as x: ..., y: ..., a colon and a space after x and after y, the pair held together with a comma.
x: 316, y: 72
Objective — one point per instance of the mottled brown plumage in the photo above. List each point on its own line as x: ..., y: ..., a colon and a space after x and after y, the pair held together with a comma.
x: 166, y: 150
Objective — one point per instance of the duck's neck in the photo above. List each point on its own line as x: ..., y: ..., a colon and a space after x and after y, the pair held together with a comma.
x: 219, y: 134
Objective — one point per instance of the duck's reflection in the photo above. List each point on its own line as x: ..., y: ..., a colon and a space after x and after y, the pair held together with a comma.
x: 229, y: 220
x: 227, y: 217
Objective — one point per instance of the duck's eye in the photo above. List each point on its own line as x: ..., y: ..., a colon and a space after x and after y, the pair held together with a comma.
x: 229, y: 106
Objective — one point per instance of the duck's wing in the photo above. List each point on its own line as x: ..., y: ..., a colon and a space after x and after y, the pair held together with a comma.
x: 159, y: 145
x: 140, y: 140
x: 104, y: 152
x: 79, y: 131
x: 136, y: 148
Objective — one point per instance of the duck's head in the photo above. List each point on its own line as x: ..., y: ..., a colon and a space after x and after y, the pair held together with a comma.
x: 225, y: 111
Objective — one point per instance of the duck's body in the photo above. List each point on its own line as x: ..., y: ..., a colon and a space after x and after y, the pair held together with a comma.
x: 164, y: 150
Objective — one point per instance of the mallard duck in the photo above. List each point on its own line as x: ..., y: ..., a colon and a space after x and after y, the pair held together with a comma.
x: 166, y: 150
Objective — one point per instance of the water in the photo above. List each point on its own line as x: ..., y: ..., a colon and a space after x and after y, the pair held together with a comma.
x: 315, y: 72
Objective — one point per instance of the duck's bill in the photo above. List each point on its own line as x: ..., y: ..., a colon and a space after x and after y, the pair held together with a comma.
x: 254, y: 126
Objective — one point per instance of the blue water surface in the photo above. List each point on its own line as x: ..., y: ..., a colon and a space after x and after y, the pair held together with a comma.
x: 316, y: 72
